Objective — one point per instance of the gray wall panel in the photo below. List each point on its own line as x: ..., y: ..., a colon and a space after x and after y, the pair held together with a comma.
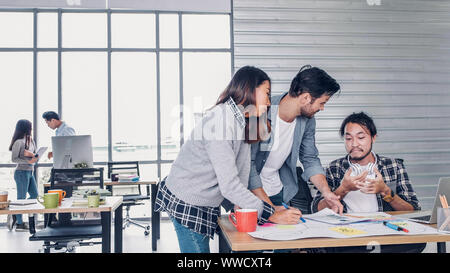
x: 392, y: 61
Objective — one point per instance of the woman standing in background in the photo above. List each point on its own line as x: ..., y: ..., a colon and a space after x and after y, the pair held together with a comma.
x: 23, y: 151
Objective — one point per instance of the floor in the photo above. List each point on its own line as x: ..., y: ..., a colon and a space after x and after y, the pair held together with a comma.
x: 134, y: 241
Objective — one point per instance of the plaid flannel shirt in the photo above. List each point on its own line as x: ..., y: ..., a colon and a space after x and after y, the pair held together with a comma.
x: 202, y: 220
x: 394, y: 175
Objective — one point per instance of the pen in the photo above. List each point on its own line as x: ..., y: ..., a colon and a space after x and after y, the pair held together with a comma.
x: 286, y: 207
x: 394, y: 227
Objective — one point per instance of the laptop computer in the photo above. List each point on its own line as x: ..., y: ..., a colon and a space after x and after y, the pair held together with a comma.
x: 430, y: 216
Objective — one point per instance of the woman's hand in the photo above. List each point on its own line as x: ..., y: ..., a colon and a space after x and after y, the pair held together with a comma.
x: 33, y: 160
x: 284, y: 216
x: 27, y: 153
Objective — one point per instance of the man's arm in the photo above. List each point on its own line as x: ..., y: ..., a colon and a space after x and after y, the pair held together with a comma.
x: 379, y: 186
x: 330, y: 200
x: 309, y: 156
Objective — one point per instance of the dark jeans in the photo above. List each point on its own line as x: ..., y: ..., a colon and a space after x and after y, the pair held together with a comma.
x: 277, y: 199
x: 298, y: 201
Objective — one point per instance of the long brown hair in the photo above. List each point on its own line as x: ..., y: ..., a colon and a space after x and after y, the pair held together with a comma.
x: 23, y: 129
x: 242, y: 89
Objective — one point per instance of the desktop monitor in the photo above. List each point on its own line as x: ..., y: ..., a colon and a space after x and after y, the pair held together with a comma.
x: 71, y: 150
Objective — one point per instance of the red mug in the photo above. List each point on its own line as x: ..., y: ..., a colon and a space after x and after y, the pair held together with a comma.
x: 245, y: 219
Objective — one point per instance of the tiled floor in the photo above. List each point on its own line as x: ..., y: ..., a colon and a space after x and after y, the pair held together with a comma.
x: 134, y: 241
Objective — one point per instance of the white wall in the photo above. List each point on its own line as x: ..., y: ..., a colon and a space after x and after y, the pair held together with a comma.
x: 392, y: 61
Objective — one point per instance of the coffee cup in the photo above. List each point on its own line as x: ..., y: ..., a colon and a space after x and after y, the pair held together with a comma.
x: 50, y: 200
x: 93, y: 200
x: 3, y: 196
x: 244, y: 219
x: 61, y: 194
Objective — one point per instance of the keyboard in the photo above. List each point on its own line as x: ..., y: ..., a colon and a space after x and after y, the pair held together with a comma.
x: 423, y: 218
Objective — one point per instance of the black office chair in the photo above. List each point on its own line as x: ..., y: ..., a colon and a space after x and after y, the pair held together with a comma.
x: 129, y: 200
x: 70, y: 233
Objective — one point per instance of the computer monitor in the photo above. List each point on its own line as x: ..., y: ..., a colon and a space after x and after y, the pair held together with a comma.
x: 71, y: 150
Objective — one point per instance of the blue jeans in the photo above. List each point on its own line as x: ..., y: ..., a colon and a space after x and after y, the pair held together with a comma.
x: 26, y: 183
x: 189, y: 240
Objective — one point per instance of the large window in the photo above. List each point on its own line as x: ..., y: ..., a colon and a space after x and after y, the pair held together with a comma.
x: 134, y: 80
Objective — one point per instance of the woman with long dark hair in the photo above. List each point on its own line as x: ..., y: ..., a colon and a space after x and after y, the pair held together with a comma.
x: 23, y: 151
x: 213, y: 165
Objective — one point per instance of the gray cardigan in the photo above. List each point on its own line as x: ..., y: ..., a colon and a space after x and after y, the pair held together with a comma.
x: 17, y: 156
x: 214, y: 163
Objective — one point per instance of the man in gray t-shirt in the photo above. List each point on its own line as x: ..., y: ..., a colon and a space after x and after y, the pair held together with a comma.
x: 54, y: 122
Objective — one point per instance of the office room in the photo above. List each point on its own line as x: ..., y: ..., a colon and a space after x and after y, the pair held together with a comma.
x: 108, y: 92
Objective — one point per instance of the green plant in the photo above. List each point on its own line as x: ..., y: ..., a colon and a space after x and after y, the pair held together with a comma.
x: 81, y: 165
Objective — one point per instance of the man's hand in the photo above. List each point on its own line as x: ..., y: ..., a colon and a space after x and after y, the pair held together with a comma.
x: 376, y: 185
x: 284, y: 216
x: 351, y: 183
x: 332, y: 201
x: 50, y: 155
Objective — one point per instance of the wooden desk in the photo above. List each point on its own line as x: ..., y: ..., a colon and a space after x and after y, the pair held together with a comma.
x: 156, y: 217
x: 230, y: 240
x: 112, y: 204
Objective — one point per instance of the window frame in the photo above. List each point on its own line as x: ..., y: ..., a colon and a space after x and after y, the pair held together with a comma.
x: 109, y: 50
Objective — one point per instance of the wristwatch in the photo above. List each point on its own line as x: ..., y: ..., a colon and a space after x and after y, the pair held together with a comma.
x: 389, y: 197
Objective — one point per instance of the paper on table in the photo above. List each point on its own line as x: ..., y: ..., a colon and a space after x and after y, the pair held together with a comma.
x: 330, y: 217
x: 23, y: 202
x: 29, y: 206
x: 316, y: 229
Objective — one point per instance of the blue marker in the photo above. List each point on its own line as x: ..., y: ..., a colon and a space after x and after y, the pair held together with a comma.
x: 394, y: 227
x: 286, y: 207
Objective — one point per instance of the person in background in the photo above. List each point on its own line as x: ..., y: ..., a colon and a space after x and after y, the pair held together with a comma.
x: 53, y: 122
x: 368, y: 182
x: 62, y: 129
x: 23, y: 151
x: 213, y: 165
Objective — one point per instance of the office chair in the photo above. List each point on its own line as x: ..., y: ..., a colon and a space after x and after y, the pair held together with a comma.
x: 70, y: 233
x: 129, y: 200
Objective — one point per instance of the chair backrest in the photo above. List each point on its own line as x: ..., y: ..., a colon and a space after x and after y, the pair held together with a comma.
x: 70, y: 179
x: 125, y: 167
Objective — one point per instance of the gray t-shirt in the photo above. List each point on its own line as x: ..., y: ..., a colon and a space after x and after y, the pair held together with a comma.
x: 17, y: 155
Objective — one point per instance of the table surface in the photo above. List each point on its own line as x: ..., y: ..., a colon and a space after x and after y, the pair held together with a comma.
x: 241, y: 241
x: 111, y: 203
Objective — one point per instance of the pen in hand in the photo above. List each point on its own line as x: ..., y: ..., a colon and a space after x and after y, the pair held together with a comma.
x: 286, y: 207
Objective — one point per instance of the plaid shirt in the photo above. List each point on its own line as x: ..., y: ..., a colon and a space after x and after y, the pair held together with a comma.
x: 202, y: 220
x: 394, y: 175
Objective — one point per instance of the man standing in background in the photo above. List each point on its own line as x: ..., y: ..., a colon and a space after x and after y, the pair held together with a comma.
x: 53, y: 122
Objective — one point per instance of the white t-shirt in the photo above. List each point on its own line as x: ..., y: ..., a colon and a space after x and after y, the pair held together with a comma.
x: 358, y: 201
x: 270, y: 176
